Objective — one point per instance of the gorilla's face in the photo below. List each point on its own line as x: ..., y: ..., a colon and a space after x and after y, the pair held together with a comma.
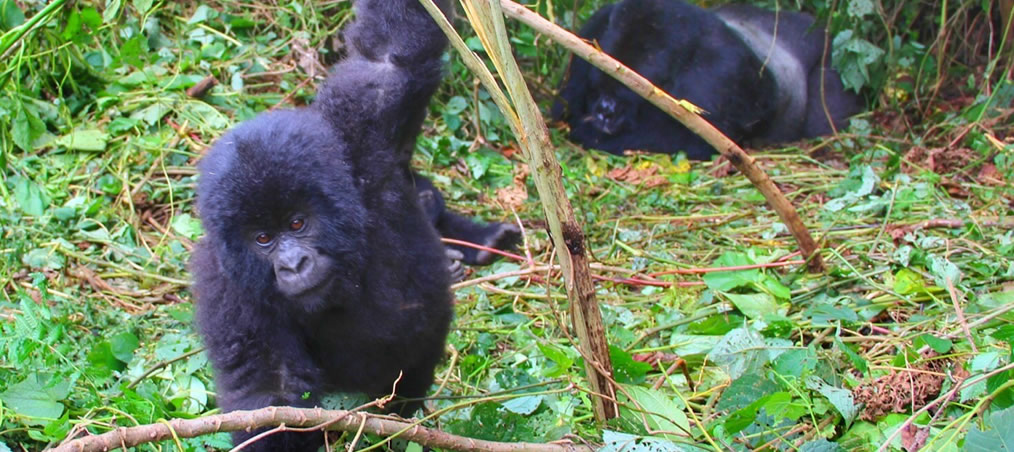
x: 302, y: 272
x: 607, y: 114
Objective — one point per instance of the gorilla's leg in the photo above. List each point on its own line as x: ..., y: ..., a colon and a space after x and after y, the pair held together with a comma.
x: 501, y: 236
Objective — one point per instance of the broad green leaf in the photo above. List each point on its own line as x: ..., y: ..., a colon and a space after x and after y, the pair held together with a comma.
x: 755, y: 305
x: 133, y: 51
x: 560, y: 362
x: 625, y: 369
x: 30, y: 197
x: 37, y: 397
x: 102, y: 360
x: 523, y: 405
x: 908, y: 282
x: 123, y: 346
x: 938, y: 345
x: 821, y: 445
x: 203, y: 116
x: 796, y: 362
x: 111, y: 11
x: 187, y: 226
x: 741, y: 351
x: 841, y: 399
x: 143, y: 6
x: 824, y: 314
x: 662, y: 413
x: 43, y: 258
x: 781, y: 406
x: 84, y: 140
x: 625, y: 442
x: 10, y: 15
x: 998, y: 435
x: 944, y: 271
x: 725, y: 281
x: 26, y: 127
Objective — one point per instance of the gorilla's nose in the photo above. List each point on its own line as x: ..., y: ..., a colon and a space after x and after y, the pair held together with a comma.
x: 293, y: 262
x: 605, y: 112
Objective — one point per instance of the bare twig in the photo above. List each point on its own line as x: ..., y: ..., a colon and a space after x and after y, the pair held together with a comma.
x: 347, y: 421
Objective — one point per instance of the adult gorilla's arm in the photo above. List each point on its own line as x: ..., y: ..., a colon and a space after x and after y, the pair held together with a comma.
x: 377, y: 96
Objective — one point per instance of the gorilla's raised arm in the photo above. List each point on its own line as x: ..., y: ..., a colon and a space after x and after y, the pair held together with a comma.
x: 377, y: 96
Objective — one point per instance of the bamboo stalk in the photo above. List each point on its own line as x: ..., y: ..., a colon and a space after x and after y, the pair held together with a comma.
x: 568, y: 238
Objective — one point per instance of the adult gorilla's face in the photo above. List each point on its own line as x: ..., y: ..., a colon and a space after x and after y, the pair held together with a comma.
x: 608, y: 114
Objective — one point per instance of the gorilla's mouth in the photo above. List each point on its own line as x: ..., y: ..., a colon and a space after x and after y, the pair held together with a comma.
x: 603, y: 124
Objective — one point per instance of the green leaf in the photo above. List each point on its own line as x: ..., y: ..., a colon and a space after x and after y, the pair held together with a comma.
x: 938, y: 345
x: 10, y: 15
x: 754, y: 305
x: 744, y: 391
x: 625, y: 442
x: 841, y: 399
x: 796, y: 362
x: 908, y: 282
x: 944, y: 271
x: 661, y: 413
x: 741, y: 351
x: 725, y: 281
x: 123, y: 346
x: 456, y: 105
x: 84, y: 140
x: 821, y: 445
x: 133, y: 51
x: 823, y: 314
x: 560, y: 362
x: 998, y: 435
x: 187, y: 226
x: 102, y: 360
x: 625, y: 369
x: 858, y: 361
x: 142, y: 6
x: 112, y: 10
x: 43, y: 258
x: 204, y: 115
x: 30, y: 197
x: 37, y: 397
x: 26, y: 127
x: 523, y: 405
x: 780, y: 406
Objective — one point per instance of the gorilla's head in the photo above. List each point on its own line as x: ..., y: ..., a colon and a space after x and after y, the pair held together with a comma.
x: 291, y: 223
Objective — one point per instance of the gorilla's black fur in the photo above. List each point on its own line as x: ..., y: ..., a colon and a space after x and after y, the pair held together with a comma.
x: 757, y: 75
x: 319, y: 270
x: 501, y: 236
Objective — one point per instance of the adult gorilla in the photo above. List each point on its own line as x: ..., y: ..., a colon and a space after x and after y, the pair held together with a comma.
x: 320, y: 271
x: 758, y: 75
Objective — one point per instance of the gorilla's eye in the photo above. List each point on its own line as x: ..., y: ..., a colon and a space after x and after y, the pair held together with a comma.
x: 297, y: 224
x: 263, y: 238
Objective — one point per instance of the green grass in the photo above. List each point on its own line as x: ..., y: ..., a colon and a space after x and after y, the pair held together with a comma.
x: 99, y: 142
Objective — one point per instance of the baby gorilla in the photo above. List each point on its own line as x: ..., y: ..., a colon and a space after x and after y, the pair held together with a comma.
x: 320, y: 271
